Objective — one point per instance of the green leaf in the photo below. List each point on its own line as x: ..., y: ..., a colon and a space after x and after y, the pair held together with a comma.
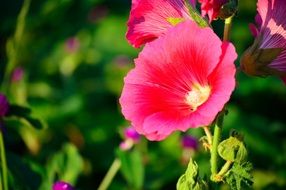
x: 192, y: 172
x: 26, y: 116
x: 232, y: 149
x: 20, y: 111
x: 238, y: 177
x: 182, y: 183
x: 132, y: 167
x: 65, y: 165
x: 190, y: 180
x: 36, y: 123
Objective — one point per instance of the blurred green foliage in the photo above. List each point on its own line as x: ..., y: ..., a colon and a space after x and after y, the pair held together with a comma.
x: 75, y: 56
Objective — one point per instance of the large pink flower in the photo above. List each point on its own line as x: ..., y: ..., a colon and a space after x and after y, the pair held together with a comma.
x: 151, y: 18
x: 179, y: 82
x: 211, y: 8
x: 267, y: 55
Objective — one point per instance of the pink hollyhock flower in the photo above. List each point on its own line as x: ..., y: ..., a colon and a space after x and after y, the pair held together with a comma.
x: 151, y: 18
x: 211, y: 8
x: 267, y: 55
x: 179, y: 82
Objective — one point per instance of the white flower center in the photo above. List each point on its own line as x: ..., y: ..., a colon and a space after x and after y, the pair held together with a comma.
x: 197, y: 96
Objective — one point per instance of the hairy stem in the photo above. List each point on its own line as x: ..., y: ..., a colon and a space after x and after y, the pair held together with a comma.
x: 215, y: 143
x: 110, y: 175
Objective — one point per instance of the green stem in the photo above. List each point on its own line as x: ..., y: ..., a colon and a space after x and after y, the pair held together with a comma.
x: 110, y: 175
x: 227, y: 28
x: 215, y: 143
x: 3, y: 163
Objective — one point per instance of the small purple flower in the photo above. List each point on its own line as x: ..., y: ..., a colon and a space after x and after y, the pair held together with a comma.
x: 61, y: 185
x: 97, y: 13
x: 72, y: 44
x: 131, y: 137
x: 189, y: 142
x: 17, y: 74
x: 130, y: 133
x: 4, y: 105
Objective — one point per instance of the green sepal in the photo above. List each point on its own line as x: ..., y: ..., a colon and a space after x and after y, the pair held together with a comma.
x: 232, y: 149
x: 239, y: 176
x: 196, y: 16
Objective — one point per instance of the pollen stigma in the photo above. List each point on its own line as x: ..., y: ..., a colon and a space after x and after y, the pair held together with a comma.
x: 197, y: 96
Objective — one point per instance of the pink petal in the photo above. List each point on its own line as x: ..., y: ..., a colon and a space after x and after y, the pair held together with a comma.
x: 258, y: 20
x: 211, y: 8
x: 149, y: 19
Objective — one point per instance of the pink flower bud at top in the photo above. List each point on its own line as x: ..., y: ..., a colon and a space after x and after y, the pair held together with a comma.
x: 211, y: 8
x: 130, y: 133
x: 150, y: 19
x: 189, y: 142
x: 4, y: 105
x: 17, y: 74
x: 61, y: 185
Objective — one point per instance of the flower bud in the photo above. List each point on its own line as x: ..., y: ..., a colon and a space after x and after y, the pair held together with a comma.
x: 256, y: 61
x: 17, y: 74
x: 228, y: 9
x: 131, y: 137
x: 189, y: 142
x: 130, y: 133
x: 267, y: 54
x: 61, y: 185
